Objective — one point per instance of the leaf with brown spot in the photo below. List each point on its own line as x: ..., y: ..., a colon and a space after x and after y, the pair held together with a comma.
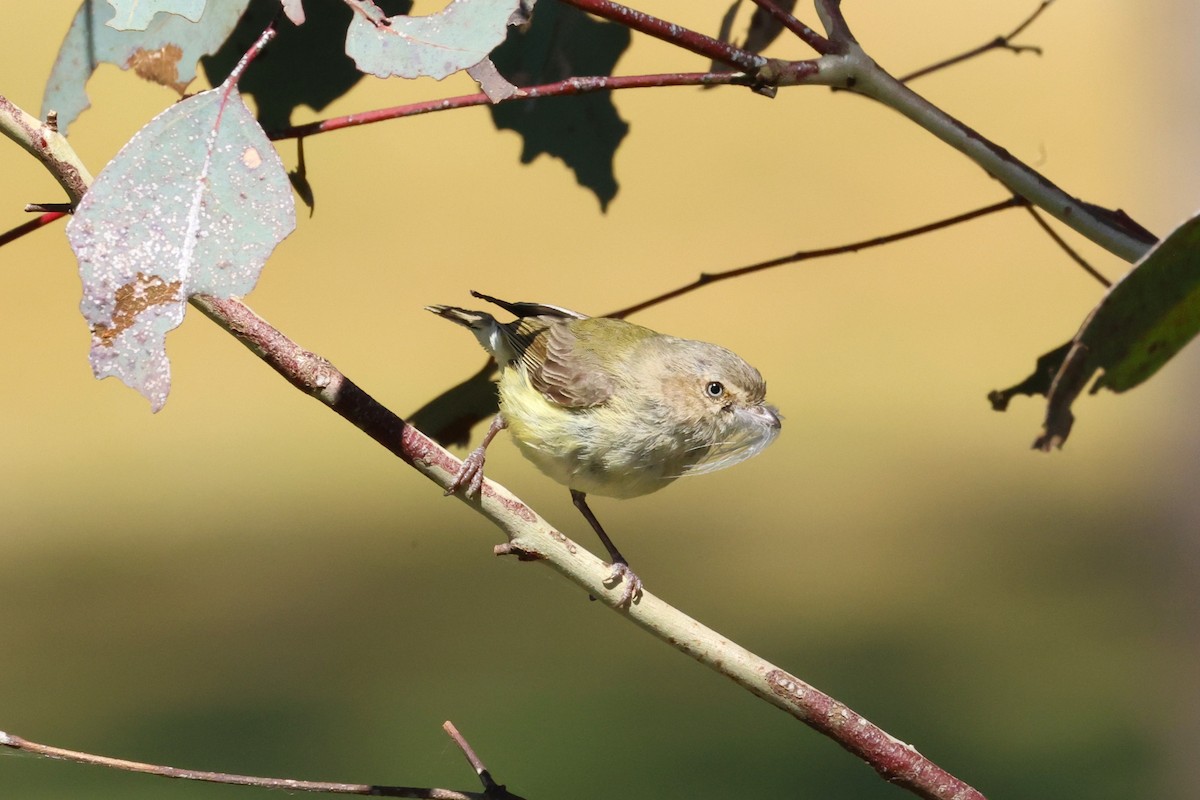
x: 193, y: 204
x: 159, y: 66
x: 134, y: 298
x: 90, y: 41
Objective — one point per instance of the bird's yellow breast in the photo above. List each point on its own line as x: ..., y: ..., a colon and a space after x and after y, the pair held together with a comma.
x: 608, y: 450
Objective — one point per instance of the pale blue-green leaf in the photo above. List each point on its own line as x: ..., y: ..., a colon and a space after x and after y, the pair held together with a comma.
x: 135, y: 15
x: 459, y: 36
x: 166, y: 52
x: 193, y: 204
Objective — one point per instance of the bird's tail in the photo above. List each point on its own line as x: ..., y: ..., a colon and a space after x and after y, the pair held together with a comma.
x: 475, y: 320
x: 487, y: 330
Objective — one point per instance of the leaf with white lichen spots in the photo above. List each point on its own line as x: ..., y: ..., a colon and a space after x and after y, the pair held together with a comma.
x: 193, y: 204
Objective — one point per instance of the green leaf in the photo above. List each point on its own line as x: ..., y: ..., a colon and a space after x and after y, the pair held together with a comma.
x: 193, y: 204
x: 459, y: 36
x: 165, y: 52
x: 584, y: 130
x: 1143, y: 321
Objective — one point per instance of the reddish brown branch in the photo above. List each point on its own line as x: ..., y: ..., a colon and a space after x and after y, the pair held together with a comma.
x: 570, y: 86
x: 28, y: 227
x: 707, y: 46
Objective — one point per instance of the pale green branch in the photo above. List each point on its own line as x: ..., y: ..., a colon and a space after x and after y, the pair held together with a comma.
x: 43, y: 141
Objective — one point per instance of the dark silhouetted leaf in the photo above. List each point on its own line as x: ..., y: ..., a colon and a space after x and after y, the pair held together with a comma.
x: 1038, y: 381
x: 165, y: 52
x: 193, y: 204
x: 304, y: 66
x: 764, y: 29
x: 1144, y: 320
x: 449, y: 417
x: 585, y: 130
x: 299, y: 179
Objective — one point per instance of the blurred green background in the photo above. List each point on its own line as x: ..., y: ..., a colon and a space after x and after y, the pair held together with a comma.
x: 245, y: 583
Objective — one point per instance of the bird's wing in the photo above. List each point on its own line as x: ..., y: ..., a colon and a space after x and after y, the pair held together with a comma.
x: 560, y: 368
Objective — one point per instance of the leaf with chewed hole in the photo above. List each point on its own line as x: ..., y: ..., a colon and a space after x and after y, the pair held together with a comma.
x: 193, y: 204
x: 165, y: 52
x: 135, y: 15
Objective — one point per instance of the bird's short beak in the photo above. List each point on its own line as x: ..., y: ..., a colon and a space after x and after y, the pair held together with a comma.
x: 766, y: 415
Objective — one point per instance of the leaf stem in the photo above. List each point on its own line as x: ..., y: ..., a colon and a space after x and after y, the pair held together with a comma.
x: 264, y: 38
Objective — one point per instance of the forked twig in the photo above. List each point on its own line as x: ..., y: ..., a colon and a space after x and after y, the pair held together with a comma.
x: 999, y: 43
x: 492, y: 790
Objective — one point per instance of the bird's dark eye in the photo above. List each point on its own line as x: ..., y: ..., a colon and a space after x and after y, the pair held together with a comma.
x: 714, y: 389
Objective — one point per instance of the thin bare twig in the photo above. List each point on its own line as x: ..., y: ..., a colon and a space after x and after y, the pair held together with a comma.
x: 49, y: 208
x: 14, y: 742
x: 707, y: 278
x: 999, y: 43
x: 1066, y: 248
x: 489, y: 784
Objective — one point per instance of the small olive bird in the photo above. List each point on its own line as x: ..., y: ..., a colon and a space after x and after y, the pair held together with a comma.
x: 607, y: 407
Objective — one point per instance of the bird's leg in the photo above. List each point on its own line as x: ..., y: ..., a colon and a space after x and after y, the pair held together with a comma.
x: 620, y: 567
x: 470, y: 473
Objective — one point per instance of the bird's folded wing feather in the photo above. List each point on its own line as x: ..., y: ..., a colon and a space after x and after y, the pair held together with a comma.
x: 559, y: 366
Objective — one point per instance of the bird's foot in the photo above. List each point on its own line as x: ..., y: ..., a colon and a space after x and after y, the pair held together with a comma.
x: 470, y: 474
x: 621, y: 573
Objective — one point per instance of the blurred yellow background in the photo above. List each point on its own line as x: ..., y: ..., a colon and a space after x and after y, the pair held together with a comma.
x: 243, y: 582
